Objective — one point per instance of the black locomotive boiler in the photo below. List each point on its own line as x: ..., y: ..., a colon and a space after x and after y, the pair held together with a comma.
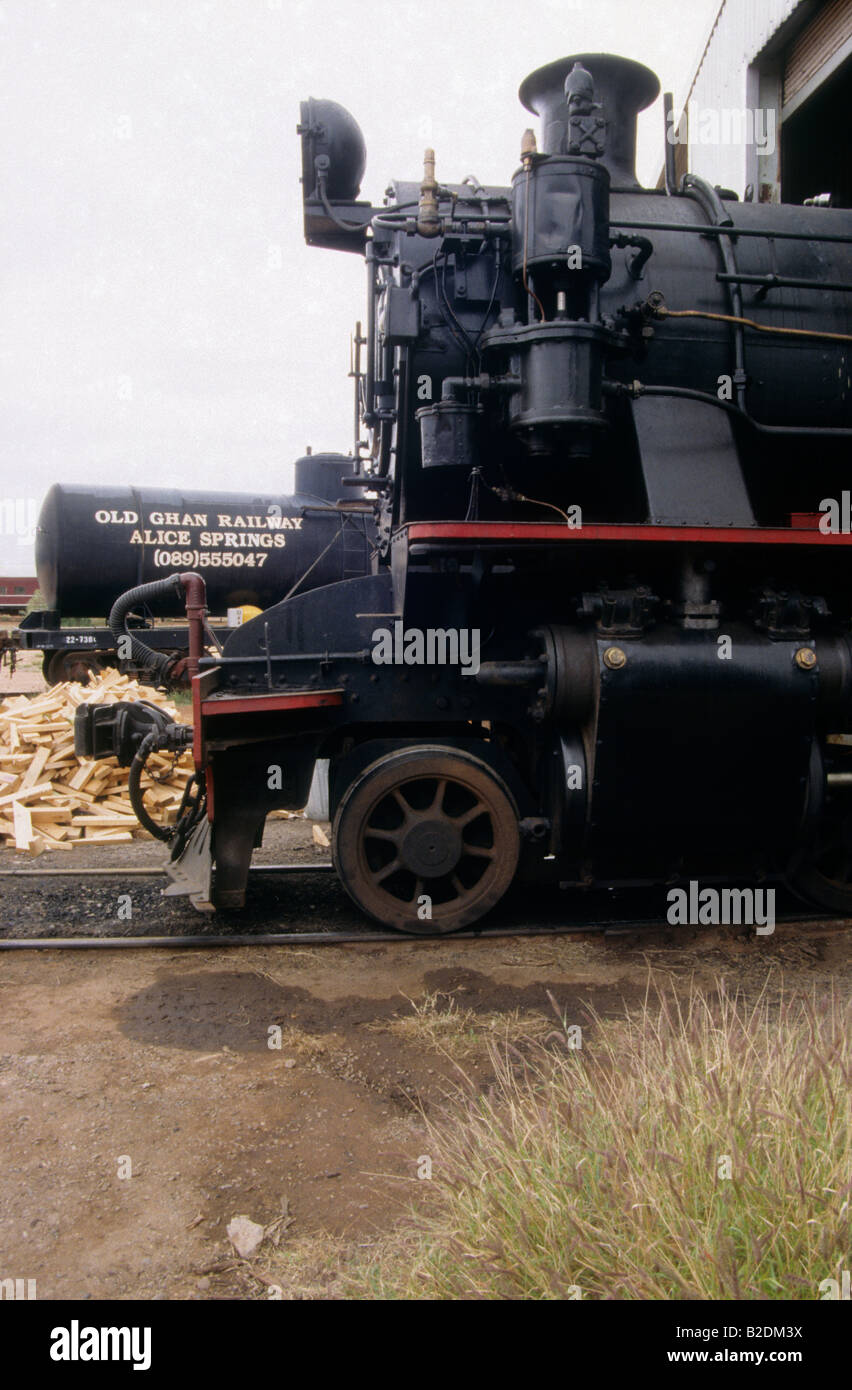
x: 606, y: 634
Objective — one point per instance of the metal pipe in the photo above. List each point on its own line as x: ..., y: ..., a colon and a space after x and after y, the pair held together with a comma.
x: 508, y: 672
x: 636, y: 264
x: 822, y: 431
x: 618, y: 388
x: 707, y: 198
x: 370, y: 380
x: 467, y: 383
x: 705, y: 229
x: 671, y: 167
x: 195, y: 592
x: 212, y: 662
x: 787, y: 282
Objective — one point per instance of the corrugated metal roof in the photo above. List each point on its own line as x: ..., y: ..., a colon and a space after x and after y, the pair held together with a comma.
x: 828, y: 30
x: 739, y: 33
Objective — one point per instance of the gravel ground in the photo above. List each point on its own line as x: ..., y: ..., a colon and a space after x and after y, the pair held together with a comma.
x: 27, y: 679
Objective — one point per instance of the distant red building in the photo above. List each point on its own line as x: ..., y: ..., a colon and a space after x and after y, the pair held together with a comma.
x: 15, y: 593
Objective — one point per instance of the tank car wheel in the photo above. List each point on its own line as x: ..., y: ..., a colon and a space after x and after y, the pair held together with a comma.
x: 434, y: 822
x: 72, y: 665
x: 826, y: 877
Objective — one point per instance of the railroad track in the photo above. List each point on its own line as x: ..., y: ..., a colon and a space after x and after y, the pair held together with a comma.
x: 624, y: 923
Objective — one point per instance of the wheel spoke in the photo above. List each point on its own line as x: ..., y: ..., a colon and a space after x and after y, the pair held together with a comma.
x: 375, y: 833
x: 401, y: 803
x: 479, y: 851
x: 438, y: 798
x: 381, y: 874
x: 458, y: 885
x: 467, y: 816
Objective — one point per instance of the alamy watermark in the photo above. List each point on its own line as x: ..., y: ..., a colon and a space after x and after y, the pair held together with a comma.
x: 20, y: 1289
x: 834, y: 1290
x: 722, y: 907
x: 19, y: 518
x: 725, y: 125
x: 84, y: 1343
x: 836, y: 518
x: 431, y: 646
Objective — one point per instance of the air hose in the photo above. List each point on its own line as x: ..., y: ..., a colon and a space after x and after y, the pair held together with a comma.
x: 137, y: 767
x: 174, y: 737
x: 157, y: 662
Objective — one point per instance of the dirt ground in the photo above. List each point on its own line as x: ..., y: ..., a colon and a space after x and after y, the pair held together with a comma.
x: 142, y: 1108
x: 27, y: 679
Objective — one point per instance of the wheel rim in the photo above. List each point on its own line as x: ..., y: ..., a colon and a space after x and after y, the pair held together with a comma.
x: 424, y: 824
x: 827, y: 875
x: 73, y: 666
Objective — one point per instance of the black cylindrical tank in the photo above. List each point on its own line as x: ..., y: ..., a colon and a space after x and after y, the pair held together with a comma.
x: 568, y: 212
x: 92, y: 544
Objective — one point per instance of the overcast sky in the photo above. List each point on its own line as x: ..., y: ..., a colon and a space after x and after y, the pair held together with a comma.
x: 162, y: 321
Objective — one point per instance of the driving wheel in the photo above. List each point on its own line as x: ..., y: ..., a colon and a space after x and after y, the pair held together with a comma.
x: 426, y: 839
x: 826, y: 877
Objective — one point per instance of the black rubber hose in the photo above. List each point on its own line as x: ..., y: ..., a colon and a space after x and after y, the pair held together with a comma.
x: 137, y: 767
x: 618, y: 388
x: 636, y: 264
x: 157, y: 662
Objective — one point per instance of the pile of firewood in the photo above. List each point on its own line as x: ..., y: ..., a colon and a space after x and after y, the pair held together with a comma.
x: 52, y: 800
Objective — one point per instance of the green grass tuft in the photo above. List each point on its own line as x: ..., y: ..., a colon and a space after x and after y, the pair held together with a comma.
x: 599, y: 1172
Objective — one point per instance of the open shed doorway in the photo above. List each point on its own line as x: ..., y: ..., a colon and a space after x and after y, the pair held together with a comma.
x: 816, y: 153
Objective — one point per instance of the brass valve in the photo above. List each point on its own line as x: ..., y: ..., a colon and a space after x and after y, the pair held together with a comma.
x: 428, y: 221
x: 528, y: 147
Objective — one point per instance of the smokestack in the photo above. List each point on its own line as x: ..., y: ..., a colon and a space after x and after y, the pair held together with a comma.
x: 622, y: 87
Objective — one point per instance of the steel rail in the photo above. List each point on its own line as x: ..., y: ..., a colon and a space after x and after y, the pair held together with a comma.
x: 146, y: 871
x: 348, y: 938
x: 607, y: 926
x: 613, y: 927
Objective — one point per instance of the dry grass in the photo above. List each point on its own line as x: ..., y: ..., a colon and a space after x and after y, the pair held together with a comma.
x: 309, y: 1267
x: 437, y: 1021
x: 599, y: 1173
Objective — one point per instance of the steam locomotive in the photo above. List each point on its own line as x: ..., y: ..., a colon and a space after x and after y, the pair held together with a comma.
x: 606, y: 633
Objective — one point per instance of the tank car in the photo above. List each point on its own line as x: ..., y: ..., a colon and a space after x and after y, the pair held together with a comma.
x: 605, y: 638
x: 92, y: 544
